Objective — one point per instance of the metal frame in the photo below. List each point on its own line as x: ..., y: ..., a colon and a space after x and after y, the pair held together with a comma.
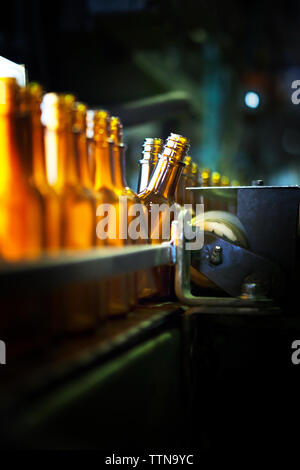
x: 183, y: 283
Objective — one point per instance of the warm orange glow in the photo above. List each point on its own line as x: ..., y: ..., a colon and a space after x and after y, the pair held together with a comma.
x: 21, y: 205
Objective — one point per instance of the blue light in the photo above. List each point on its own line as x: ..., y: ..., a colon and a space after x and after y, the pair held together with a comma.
x: 252, y: 99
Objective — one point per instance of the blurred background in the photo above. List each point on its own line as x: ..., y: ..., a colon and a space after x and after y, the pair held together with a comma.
x: 219, y: 73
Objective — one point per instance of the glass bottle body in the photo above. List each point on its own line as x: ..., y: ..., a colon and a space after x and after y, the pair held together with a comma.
x: 159, y: 200
x: 109, y: 211
x: 21, y: 204
x: 76, y: 310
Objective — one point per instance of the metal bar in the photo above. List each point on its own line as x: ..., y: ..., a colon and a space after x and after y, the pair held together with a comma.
x: 92, y: 265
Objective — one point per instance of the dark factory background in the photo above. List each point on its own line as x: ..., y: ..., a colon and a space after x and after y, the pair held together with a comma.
x: 180, y: 64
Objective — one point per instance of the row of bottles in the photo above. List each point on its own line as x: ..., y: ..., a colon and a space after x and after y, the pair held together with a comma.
x: 61, y: 163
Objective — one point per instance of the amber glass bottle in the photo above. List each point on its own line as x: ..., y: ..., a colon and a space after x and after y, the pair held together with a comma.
x: 76, y: 310
x: 120, y: 183
x: 225, y: 180
x: 181, y: 194
x: 194, y: 183
x: 205, y: 181
x: 151, y: 149
x: 205, y: 177
x: 108, y: 226
x: 91, y: 143
x: 161, y: 190
x: 163, y: 183
x: 52, y: 214
x: 22, y: 234
x: 21, y: 205
x: 62, y: 172
x: 79, y: 127
x: 215, y: 178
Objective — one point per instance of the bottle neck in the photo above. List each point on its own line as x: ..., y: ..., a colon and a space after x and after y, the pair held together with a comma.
x: 119, y: 166
x: 81, y: 154
x: 146, y: 168
x: 60, y: 158
x: 12, y: 157
x: 165, y: 177
x: 103, y: 170
x: 38, y: 149
x: 24, y: 136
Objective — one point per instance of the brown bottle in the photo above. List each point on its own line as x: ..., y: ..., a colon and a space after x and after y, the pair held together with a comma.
x: 79, y: 127
x: 205, y: 177
x: 120, y: 183
x: 21, y: 205
x: 162, y: 185
x: 215, y: 178
x: 108, y: 226
x: 161, y: 190
x: 225, y: 180
x: 194, y: 184
x: 205, y: 181
x: 76, y: 308
x: 52, y: 213
x: 152, y: 148
x: 21, y: 222
x: 181, y: 195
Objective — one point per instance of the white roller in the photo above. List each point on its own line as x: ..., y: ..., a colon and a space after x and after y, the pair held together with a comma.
x: 224, y: 225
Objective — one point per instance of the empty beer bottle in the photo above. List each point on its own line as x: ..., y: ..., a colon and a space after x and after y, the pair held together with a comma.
x: 215, y: 178
x: 129, y: 198
x: 159, y: 198
x: 225, y: 180
x: 21, y: 204
x: 205, y: 181
x: 194, y: 184
x: 205, y: 177
x: 76, y: 310
x: 52, y: 213
x: 62, y: 173
x: 181, y: 195
x: 108, y: 226
x: 163, y: 183
x: 151, y: 149
x: 79, y: 121
x: 21, y: 222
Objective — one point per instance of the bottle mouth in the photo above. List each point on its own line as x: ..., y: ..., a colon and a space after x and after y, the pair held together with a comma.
x: 215, y: 178
x: 56, y: 110
x: 178, y: 141
x: 176, y: 147
x: 79, y: 117
x: 152, y: 147
x: 116, y: 128
x: 98, y: 124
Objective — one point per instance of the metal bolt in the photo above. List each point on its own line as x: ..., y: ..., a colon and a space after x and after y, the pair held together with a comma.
x: 216, y: 255
x: 257, y: 183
